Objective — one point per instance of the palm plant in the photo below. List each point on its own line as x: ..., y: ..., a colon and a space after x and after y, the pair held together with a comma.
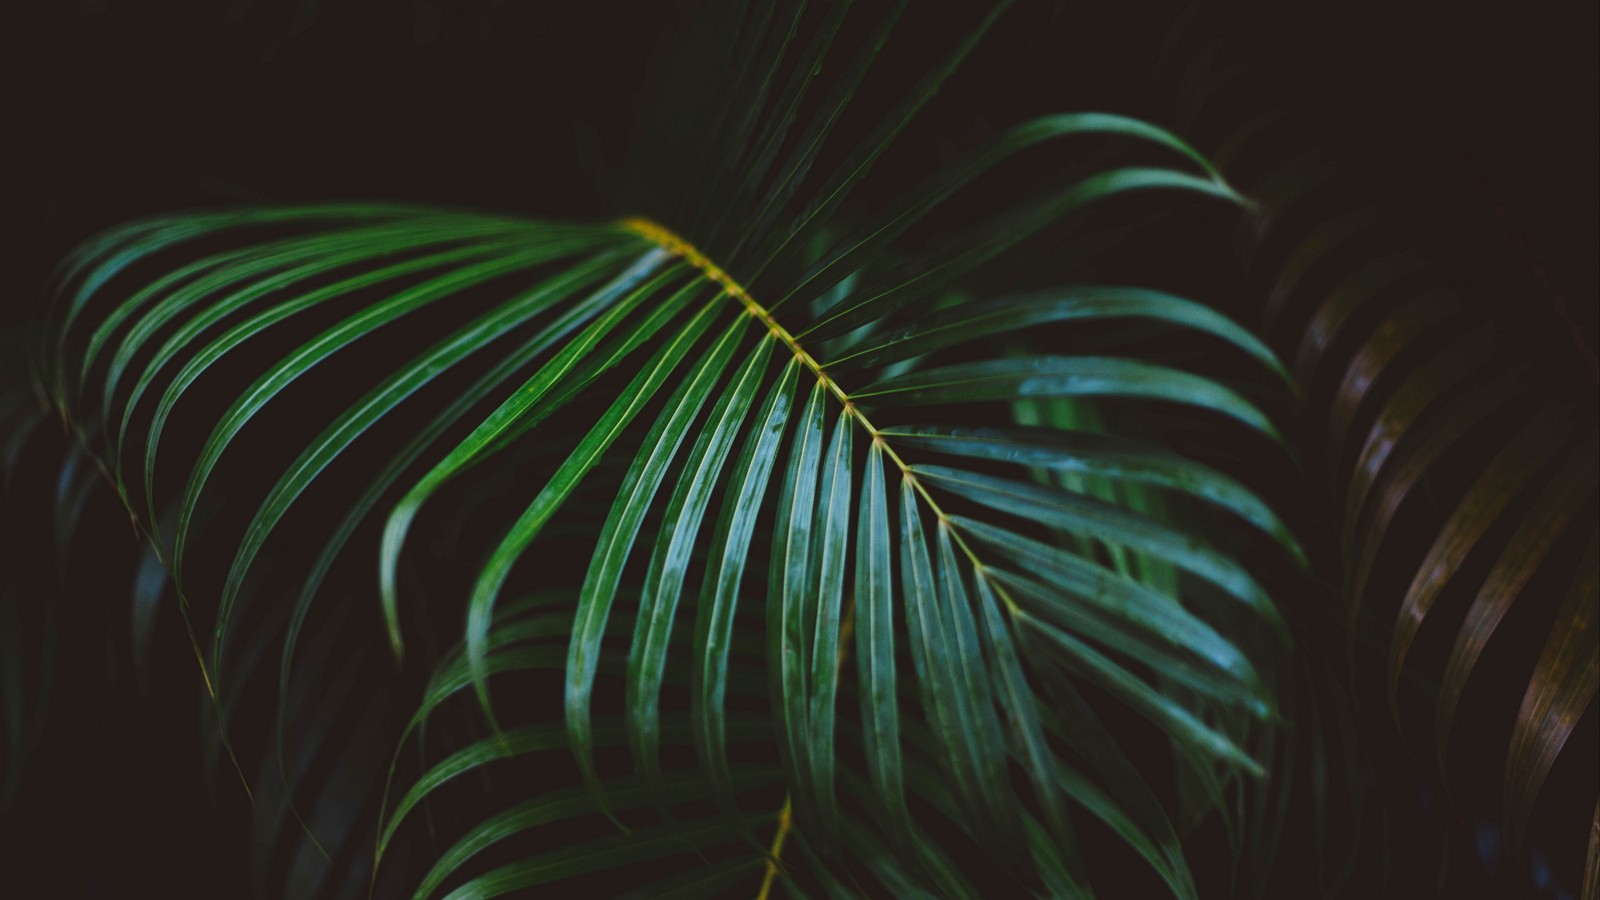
x: 1029, y: 557
x: 771, y: 537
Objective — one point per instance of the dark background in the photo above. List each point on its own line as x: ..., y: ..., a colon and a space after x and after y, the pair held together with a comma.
x: 116, y: 109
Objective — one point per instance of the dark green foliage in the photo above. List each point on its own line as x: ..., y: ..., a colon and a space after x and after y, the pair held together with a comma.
x: 773, y: 537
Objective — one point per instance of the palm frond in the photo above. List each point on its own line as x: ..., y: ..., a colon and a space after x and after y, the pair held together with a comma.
x: 970, y: 612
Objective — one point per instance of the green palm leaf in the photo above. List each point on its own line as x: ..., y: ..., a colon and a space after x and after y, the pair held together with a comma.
x: 634, y: 384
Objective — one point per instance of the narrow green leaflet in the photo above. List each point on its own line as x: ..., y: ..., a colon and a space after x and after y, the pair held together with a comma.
x: 982, y: 735
x: 930, y: 654
x: 383, y: 399
x: 1051, y: 860
x: 1078, y: 514
x: 520, y: 741
x: 889, y: 126
x: 235, y: 272
x: 1099, y: 804
x: 501, y: 261
x: 910, y: 871
x: 761, y: 151
x: 789, y: 592
x: 1100, y: 455
x: 719, y: 596
x: 511, y: 652
x: 240, y: 284
x: 851, y: 253
x: 1079, y: 588
x: 561, y: 484
x: 1122, y: 615
x: 637, y: 492
x: 942, y: 266
x: 489, y: 382
x: 624, y: 294
x: 569, y: 804
x: 590, y: 856
x: 1028, y: 740
x: 1065, y: 376
x: 833, y: 529
x: 775, y: 195
x: 236, y: 335
x: 664, y: 582
x: 745, y: 96
x: 512, y: 742
x: 147, y: 237
x: 973, y: 321
x: 1086, y: 662
x: 875, y: 668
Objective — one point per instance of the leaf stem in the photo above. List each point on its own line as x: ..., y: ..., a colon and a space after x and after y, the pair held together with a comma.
x: 785, y: 821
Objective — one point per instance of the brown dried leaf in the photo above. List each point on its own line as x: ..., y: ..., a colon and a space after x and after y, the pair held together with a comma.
x: 1566, y: 493
x: 1335, y: 311
x: 1405, y: 325
x: 1501, y: 481
x: 1425, y: 443
x: 1441, y: 376
x: 1563, y: 685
